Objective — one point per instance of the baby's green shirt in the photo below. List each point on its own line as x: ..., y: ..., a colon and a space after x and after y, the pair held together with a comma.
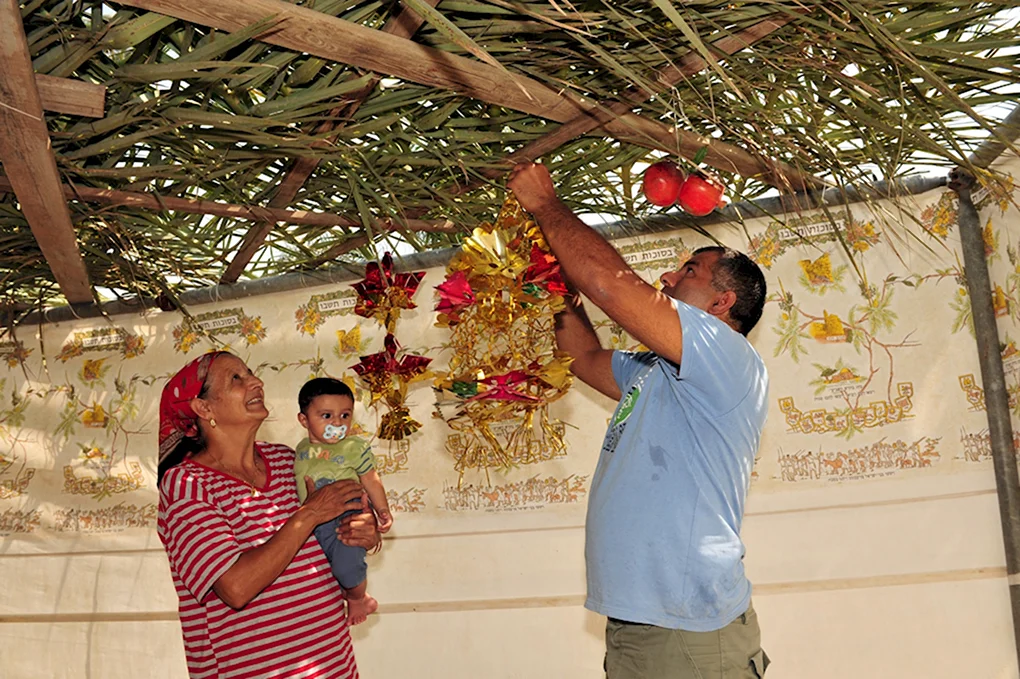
x: 348, y: 458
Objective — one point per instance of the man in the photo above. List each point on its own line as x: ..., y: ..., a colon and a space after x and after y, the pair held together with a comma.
x: 663, y: 549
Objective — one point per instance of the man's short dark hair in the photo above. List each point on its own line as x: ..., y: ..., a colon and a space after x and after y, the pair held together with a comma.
x: 737, y: 272
x: 321, y: 386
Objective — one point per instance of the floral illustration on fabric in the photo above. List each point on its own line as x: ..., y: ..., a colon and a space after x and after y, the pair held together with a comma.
x: 311, y: 315
x: 127, y: 344
x: 214, y: 325
x: 14, y: 353
x: 15, y: 474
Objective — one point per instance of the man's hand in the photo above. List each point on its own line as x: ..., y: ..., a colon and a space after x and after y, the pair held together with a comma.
x: 533, y: 187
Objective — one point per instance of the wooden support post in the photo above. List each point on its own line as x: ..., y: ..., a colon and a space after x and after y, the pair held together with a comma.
x: 29, y: 163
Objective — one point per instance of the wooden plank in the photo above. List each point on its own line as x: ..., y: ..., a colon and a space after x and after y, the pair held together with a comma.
x: 403, y: 23
x: 29, y: 163
x: 149, y: 201
x: 306, y: 30
x: 65, y: 95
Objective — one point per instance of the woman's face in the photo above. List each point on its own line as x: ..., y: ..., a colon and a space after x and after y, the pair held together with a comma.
x: 234, y: 395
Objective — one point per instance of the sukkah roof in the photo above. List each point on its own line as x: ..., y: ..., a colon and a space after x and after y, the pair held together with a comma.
x: 204, y: 142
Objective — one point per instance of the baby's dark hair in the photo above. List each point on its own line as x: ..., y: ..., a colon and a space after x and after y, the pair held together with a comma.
x: 321, y: 386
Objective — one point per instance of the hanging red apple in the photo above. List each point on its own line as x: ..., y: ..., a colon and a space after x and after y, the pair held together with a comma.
x: 662, y: 182
x: 700, y: 194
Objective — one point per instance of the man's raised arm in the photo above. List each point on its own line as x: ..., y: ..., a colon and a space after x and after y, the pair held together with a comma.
x: 597, y: 269
x: 575, y: 335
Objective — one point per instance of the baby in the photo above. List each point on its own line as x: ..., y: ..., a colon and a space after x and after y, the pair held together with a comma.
x: 328, y: 455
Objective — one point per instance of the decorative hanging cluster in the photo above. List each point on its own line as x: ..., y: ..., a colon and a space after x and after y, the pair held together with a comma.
x: 698, y: 193
x: 382, y: 295
x: 498, y: 300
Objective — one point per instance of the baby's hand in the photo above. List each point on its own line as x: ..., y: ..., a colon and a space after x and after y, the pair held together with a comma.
x: 385, y: 521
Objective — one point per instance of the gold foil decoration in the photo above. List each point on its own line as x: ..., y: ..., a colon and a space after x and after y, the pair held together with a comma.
x: 499, y: 298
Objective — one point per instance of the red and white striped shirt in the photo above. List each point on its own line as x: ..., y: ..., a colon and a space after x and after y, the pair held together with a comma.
x: 296, y: 627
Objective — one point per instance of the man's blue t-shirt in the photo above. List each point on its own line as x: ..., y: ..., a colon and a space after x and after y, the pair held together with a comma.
x: 663, y: 529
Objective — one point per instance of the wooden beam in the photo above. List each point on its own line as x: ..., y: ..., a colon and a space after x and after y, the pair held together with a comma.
x: 65, y: 95
x: 403, y: 23
x: 28, y: 160
x: 306, y: 30
x: 209, y: 207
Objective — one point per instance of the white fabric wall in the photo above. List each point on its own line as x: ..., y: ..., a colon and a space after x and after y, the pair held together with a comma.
x: 880, y: 571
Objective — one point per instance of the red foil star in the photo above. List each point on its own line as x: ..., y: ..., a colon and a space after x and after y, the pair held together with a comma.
x: 506, y: 388
x: 382, y: 293
x: 455, y: 295
x: 385, y: 369
x: 545, y: 271
x: 387, y: 377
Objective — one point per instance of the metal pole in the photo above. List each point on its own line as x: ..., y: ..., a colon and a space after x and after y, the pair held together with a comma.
x: 1000, y: 427
x: 346, y: 273
x: 993, y: 147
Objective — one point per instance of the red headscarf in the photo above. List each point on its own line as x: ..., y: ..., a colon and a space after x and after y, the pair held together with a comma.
x: 176, y: 418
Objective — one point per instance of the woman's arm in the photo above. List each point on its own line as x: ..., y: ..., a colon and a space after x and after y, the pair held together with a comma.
x: 257, y: 568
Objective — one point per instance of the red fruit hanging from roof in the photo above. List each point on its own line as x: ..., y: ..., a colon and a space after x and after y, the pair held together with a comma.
x: 700, y: 194
x: 662, y: 182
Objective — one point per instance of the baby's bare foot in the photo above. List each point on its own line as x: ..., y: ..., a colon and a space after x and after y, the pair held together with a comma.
x: 358, y: 610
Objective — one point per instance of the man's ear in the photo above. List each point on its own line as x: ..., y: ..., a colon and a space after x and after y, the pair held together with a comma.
x: 303, y: 419
x: 723, y: 303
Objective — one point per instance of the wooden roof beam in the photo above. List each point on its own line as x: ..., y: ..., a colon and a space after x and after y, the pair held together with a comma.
x: 403, y: 23
x: 305, y: 30
x: 29, y: 163
x: 66, y: 95
x: 149, y: 201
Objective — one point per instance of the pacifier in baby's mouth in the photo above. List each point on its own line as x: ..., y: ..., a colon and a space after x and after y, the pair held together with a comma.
x: 333, y: 433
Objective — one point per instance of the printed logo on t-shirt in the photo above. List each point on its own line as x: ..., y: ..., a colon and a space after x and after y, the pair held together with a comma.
x: 623, y: 412
x: 626, y: 405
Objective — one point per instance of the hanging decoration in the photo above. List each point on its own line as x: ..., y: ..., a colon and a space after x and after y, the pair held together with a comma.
x: 382, y: 294
x: 698, y: 193
x: 498, y: 301
x: 387, y: 377
x: 662, y: 182
x: 701, y: 193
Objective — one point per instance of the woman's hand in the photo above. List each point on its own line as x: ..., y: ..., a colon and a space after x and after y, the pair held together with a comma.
x: 257, y: 568
x: 332, y: 500
x: 360, y: 530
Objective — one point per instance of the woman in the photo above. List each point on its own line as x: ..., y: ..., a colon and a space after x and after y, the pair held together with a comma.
x: 257, y: 598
